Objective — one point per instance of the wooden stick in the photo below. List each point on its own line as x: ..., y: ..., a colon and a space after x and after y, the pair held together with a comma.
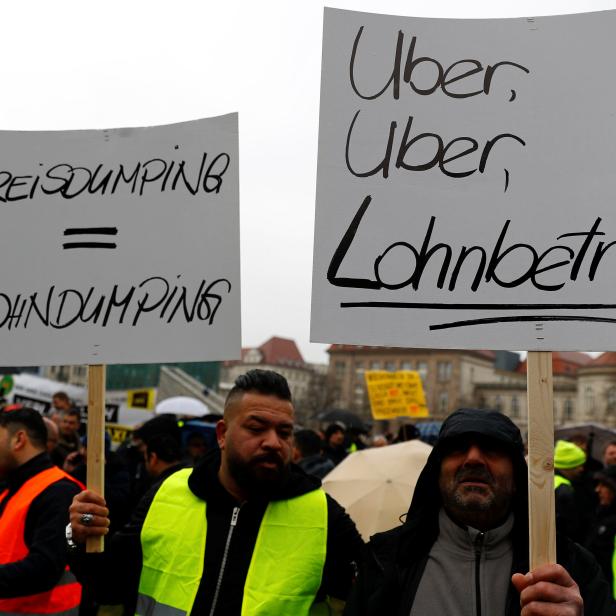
x: 96, y: 441
x: 541, y: 518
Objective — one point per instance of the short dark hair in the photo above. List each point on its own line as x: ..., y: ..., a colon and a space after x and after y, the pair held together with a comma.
x: 61, y: 395
x: 266, y: 382
x: 164, y: 446
x: 608, y: 444
x: 308, y: 442
x: 29, y: 420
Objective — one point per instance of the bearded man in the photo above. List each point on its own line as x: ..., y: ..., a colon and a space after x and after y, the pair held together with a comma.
x: 244, y: 532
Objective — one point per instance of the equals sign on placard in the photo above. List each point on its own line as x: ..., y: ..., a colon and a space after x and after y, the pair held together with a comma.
x: 87, y: 232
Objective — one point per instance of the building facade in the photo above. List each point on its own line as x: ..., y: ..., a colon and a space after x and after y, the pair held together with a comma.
x: 449, y: 377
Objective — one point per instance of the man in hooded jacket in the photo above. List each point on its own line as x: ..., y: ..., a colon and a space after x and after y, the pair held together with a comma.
x: 463, y: 548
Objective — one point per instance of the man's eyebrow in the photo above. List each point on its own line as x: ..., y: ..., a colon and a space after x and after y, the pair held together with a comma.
x: 266, y: 422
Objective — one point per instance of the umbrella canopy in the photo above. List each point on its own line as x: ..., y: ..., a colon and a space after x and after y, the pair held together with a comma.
x: 182, y: 405
x: 375, y: 486
x: 350, y: 420
x: 599, y: 436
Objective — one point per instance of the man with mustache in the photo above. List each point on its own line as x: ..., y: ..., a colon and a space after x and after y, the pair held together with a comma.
x: 244, y: 532
x: 463, y: 547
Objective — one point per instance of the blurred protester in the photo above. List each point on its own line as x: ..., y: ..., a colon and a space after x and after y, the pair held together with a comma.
x: 603, y: 530
x: 334, y: 448
x: 354, y: 440
x: 34, y: 578
x: 60, y: 402
x: 69, y: 441
x: 196, y: 447
x: 308, y: 454
x: 163, y: 457
x: 134, y: 454
x: 243, y: 532
x: 53, y: 434
x: 466, y: 532
x: 572, y: 511
x: 407, y: 432
x: 379, y: 440
x: 584, y: 442
x: 609, y: 454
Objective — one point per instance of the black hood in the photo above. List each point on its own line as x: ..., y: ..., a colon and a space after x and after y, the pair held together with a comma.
x: 421, y: 524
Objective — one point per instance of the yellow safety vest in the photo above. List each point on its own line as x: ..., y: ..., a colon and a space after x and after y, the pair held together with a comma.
x: 559, y: 480
x: 286, y: 566
x: 614, y: 570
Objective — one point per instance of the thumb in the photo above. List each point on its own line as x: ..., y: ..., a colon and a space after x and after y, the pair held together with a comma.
x: 521, y: 581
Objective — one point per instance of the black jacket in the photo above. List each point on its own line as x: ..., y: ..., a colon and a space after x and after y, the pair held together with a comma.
x: 115, y: 574
x: 601, y: 537
x: 46, y: 521
x: 394, y: 561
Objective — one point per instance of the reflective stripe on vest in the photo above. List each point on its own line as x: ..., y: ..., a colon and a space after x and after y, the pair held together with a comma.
x: 559, y: 480
x: 65, y: 597
x: 286, y: 566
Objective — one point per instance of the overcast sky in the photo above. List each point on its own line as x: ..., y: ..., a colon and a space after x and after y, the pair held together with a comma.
x: 75, y: 65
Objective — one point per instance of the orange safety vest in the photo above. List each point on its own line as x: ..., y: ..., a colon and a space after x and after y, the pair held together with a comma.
x: 66, y: 595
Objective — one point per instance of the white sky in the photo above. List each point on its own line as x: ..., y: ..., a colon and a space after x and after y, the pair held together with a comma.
x: 75, y: 64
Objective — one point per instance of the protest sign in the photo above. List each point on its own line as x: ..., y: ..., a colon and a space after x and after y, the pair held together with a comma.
x: 141, y: 398
x: 465, y: 183
x: 120, y: 246
x: 395, y: 394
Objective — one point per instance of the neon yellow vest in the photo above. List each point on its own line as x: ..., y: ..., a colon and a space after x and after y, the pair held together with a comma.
x: 559, y: 480
x: 286, y: 566
x: 614, y: 570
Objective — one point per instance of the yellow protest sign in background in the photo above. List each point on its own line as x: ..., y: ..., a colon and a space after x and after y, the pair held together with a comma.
x: 395, y: 394
x: 141, y: 398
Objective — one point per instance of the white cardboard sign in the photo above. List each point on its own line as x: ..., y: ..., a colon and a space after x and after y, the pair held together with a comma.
x: 120, y: 246
x: 466, y: 189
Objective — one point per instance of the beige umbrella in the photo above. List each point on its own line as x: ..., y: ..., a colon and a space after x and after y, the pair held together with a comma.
x: 375, y: 486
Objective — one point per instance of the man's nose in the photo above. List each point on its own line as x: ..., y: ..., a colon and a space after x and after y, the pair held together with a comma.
x: 271, y: 440
x: 474, y: 455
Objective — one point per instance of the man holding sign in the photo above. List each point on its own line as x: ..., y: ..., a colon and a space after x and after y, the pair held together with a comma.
x: 243, y: 532
x: 466, y: 534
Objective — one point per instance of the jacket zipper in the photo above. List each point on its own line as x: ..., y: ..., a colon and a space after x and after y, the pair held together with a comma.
x: 478, y: 544
x: 236, y: 512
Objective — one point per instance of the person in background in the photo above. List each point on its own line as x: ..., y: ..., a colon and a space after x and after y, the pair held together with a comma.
x: 463, y: 547
x: 69, y: 441
x: 308, y: 454
x: 572, y: 511
x: 60, y: 402
x: 379, y: 440
x: 609, y: 454
x: 34, y: 578
x: 53, y: 434
x: 334, y: 448
x: 196, y: 447
x: 603, y: 530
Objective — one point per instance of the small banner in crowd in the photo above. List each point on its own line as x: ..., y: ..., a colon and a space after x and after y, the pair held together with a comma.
x: 141, y: 398
x: 395, y: 394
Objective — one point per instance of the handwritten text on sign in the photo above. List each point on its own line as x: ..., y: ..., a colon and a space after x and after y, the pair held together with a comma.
x: 465, y: 190
x: 120, y: 246
x: 395, y: 394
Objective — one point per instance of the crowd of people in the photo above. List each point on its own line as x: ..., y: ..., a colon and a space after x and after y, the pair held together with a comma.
x: 244, y: 527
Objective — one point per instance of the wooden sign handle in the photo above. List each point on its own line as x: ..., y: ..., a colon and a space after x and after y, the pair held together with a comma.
x: 96, y: 441
x: 541, y: 511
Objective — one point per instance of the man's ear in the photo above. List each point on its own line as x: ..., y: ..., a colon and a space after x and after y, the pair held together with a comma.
x: 221, y: 433
x: 19, y: 440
